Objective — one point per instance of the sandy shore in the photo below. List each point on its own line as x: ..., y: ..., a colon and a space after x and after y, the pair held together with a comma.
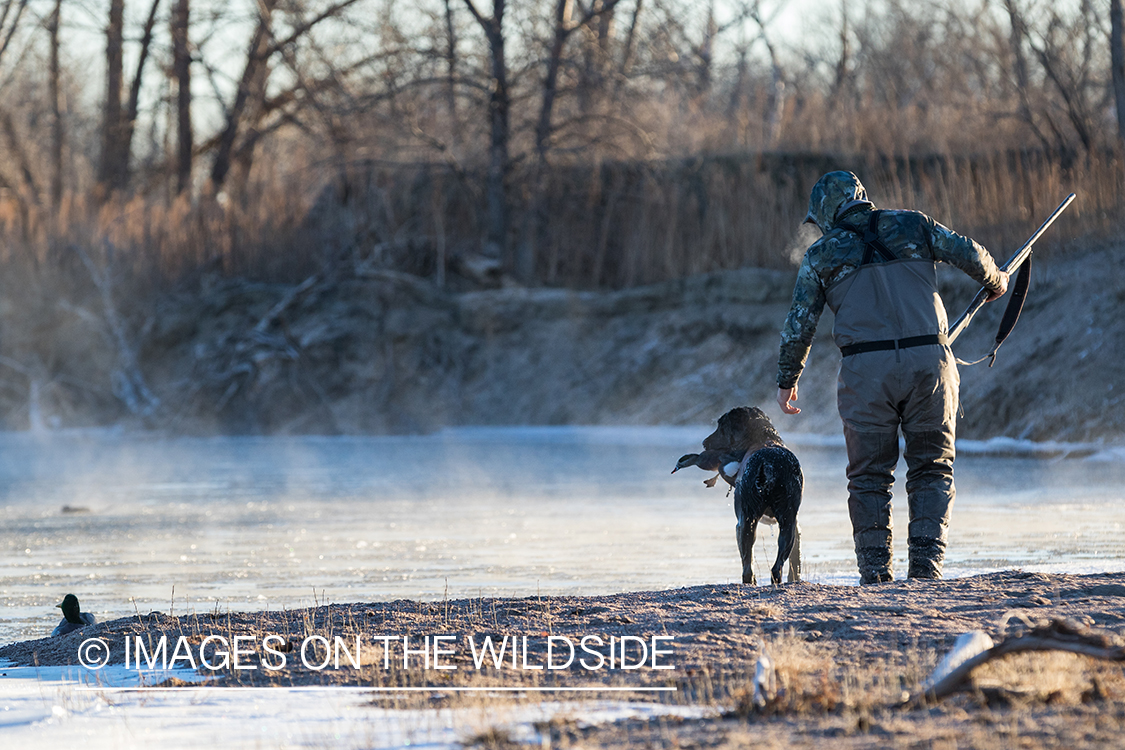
x: 845, y: 657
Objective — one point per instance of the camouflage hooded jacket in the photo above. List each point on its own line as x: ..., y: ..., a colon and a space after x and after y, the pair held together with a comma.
x: 839, y: 206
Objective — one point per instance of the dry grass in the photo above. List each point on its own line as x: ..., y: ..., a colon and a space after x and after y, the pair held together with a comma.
x: 844, y: 659
x: 615, y: 224
x: 1050, y: 678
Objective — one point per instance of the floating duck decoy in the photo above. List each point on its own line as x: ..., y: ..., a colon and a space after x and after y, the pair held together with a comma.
x: 73, y: 617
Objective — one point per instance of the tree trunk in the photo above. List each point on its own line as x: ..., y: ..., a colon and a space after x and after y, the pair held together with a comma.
x: 528, y: 251
x: 499, y: 160
x: 499, y: 105
x: 451, y: 74
x: 1117, y: 62
x: 706, y: 54
x: 1023, y: 78
x: 843, y: 63
x: 181, y: 71
x: 630, y: 44
x: 128, y: 125
x: 252, y: 74
x: 592, y: 74
x: 57, y: 131
x: 777, y: 96
x: 110, y: 172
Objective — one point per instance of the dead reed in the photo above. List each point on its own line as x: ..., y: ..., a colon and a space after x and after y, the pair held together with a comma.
x: 609, y: 225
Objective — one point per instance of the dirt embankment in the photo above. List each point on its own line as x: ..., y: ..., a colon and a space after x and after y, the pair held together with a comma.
x: 384, y: 352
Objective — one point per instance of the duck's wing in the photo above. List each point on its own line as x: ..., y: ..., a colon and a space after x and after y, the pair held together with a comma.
x: 65, y: 627
x: 87, y: 618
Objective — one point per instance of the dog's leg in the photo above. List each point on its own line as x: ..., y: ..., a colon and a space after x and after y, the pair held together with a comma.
x: 795, y: 556
x: 746, y: 531
x: 786, y: 541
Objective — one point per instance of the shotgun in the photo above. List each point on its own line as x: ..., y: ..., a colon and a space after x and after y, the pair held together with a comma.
x: 1013, y: 263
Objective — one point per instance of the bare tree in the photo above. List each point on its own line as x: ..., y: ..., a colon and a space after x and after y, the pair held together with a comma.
x: 1117, y: 62
x: 55, y: 95
x: 499, y: 108
x: 181, y: 72
x: 776, y: 107
x: 132, y: 107
x: 119, y: 123
x: 629, y: 48
x: 564, y: 27
x: 596, y: 52
x: 1066, y: 51
x: 251, y: 91
x: 251, y: 103
x: 11, y: 24
x: 110, y: 173
x: 842, y: 78
x: 451, y: 73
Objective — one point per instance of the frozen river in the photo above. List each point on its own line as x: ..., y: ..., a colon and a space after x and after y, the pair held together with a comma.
x: 253, y: 523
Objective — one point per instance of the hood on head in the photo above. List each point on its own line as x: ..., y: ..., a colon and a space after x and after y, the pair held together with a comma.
x: 831, y: 193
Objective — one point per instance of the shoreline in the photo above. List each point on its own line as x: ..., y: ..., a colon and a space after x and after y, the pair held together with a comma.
x: 844, y: 658
x: 709, y: 624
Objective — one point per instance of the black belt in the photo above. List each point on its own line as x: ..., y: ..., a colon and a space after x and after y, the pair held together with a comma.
x: 879, y: 346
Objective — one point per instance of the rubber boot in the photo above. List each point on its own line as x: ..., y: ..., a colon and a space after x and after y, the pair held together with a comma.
x: 874, y: 565
x: 926, y: 558
x: 930, y: 492
x: 871, y: 462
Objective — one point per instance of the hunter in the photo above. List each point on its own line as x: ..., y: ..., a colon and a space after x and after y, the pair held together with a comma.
x: 877, y: 271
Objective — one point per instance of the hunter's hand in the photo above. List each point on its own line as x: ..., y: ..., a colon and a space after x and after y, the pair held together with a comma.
x: 996, y: 294
x: 784, y: 396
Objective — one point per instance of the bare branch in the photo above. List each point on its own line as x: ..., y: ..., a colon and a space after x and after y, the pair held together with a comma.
x: 13, y: 27
x: 303, y: 28
x: 1056, y: 635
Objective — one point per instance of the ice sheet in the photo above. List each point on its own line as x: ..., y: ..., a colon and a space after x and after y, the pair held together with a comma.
x: 61, y: 706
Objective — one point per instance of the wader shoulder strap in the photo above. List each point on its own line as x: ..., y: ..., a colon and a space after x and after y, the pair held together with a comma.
x: 874, y: 245
x: 1011, y: 312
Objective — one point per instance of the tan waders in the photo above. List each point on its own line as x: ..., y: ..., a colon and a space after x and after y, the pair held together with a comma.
x: 897, y: 372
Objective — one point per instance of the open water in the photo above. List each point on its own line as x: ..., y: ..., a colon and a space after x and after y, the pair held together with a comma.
x: 139, y: 523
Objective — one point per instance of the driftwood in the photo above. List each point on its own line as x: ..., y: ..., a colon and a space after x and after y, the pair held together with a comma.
x: 976, y: 647
x: 128, y: 381
x: 765, y: 678
x: 249, y: 350
x: 286, y: 300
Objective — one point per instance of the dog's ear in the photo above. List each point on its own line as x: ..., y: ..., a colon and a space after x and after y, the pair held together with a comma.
x: 756, y: 414
x: 719, y: 439
x: 728, y: 434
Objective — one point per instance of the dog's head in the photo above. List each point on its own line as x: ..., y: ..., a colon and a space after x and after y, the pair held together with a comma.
x: 743, y: 428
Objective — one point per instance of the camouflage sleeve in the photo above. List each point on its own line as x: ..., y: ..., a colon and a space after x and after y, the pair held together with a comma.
x: 800, y: 325
x: 964, y: 253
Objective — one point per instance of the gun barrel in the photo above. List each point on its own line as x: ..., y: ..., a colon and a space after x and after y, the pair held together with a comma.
x: 1011, y: 265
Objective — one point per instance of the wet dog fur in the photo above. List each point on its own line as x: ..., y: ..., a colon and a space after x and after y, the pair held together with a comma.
x: 767, y: 482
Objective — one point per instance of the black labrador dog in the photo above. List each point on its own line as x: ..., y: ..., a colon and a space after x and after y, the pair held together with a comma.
x: 749, y: 454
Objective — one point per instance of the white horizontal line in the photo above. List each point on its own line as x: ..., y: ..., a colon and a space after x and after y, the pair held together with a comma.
x: 392, y: 689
